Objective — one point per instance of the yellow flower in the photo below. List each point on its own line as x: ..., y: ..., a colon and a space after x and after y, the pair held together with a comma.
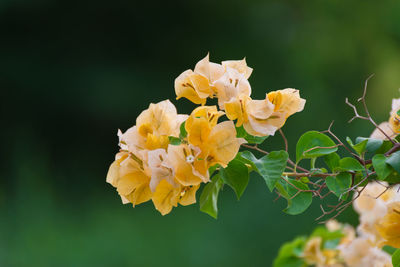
x: 392, y: 127
x: 153, y: 126
x: 130, y: 179
x: 262, y: 120
x: 387, y: 128
x: 257, y: 116
x: 312, y: 251
x: 200, y: 123
x: 161, y: 168
x: 230, y: 86
x: 362, y: 253
x: 239, y: 65
x: 389, y: 226
x: 236, y: 109
x: 167, y: 196
x: 222, y: 144
x: 287, y: 101
x: 217, y: 142
x: 264, y: 117
x: 183, y: 158
x: 197, y: 85
x: 394, y: 120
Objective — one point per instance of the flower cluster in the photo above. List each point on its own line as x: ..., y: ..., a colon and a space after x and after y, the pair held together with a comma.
x: 228, y: 82
x: 391, y: 127
x: 338, y: 245
x: 379, y: 210
x: 166, y: 156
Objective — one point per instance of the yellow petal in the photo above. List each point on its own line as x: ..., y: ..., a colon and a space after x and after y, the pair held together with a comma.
x: 389, y: 226
x: 114, y: 170
x: 154, y: 142
x: 230, y: 86
x: 394, y: 122
x: 192, y: 86
x: 210, y: 70
x: 178, y: 156
x: 188, y: 196
x: 140, y: 195
x: 157, y: 119
x: 161, y: 168
x: 387, y: 128
x: 276, y: 99
x: 261, y: 118
x: 235, y: 110
x: 222, y: 143
x: 290, y: 102
x: 240, y: 66
x: 200, y: 122
x: 260, y: 109
x: 165, y: 197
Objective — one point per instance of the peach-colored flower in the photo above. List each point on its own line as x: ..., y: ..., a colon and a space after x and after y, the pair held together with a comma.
x: 197, y: 85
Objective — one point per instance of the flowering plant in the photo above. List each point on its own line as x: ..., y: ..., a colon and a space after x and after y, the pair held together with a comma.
x: 166, y: 157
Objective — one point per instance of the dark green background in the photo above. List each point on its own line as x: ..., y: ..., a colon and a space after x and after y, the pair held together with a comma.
x: 73, y: 72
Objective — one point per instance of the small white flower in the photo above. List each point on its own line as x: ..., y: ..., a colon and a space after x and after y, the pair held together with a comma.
x: 190, y: 159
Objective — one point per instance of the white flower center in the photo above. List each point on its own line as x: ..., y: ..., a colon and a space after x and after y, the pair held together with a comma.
x: 190, y: 159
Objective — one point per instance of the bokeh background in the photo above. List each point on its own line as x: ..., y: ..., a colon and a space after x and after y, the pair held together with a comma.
x: 73, y: 72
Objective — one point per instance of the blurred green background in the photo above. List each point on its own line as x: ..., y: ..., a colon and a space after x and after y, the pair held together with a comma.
x: 73, y: 72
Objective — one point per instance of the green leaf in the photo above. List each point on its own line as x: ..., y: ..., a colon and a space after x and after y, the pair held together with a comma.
x: 314, y: 144
x: 330, y: 239
x: 209, y: 196
x: 298, y: 202
x: 350, y: 164
x: 394, y: 161
x: 381, y: 167
x: 332, y: 160
x: 236, y: 175
x: 244, y: 158
x: 339, y: 184
x: 183, y: 132
x: 372, y: 144
x: 241, y: 133
x: 270, y: 167
x: 358, y: 147
x: 290, y: 254
x: 213, y: 168
x: 396, y: 258
x: 390, y: 250
x: 393, y: 178
x: 175, y: 141
x: 398, y: 112
x: 386, y: 146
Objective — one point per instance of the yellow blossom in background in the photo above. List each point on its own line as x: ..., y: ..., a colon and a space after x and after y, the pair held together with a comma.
x: 312, y: 252
x: 394, y: 120
x: 387, y: 128
x: 389, y: 226
x: 372, y: 206
x: 362, y: 253
x: 391, y: 127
